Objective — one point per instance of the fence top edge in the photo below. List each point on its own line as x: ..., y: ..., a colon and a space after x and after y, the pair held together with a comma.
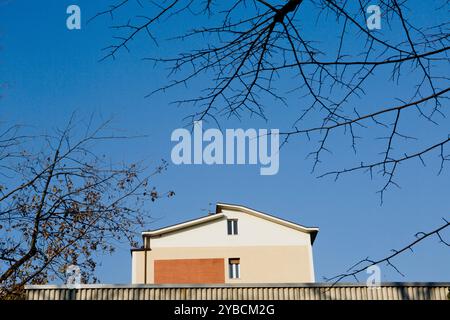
x: 243, y: 285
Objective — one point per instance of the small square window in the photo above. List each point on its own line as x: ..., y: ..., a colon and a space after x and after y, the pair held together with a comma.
x: 234, y: 267
x: 232, y: 225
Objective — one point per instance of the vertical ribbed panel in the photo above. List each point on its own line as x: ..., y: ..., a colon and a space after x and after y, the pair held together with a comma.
x: 242, y: 293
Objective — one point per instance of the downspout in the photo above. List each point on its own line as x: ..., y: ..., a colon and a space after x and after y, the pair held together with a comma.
x: 145, y: 266
x: 146, y: 246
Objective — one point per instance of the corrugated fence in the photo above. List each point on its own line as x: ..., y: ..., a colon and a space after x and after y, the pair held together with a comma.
x: 310, y: 291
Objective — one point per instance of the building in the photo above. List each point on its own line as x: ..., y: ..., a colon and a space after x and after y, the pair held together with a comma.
x: 234, y: 245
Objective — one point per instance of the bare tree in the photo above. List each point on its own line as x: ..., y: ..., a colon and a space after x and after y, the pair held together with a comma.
x: 243, y: 49
x: 63, y: 204
x: 252, y: 44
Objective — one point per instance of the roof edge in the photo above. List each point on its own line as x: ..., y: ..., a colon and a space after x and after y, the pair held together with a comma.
x: 182, y: 225
x: 311, y: 230
x: 233, y: 207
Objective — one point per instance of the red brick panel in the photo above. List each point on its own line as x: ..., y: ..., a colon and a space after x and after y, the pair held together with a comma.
x: 189, y: 271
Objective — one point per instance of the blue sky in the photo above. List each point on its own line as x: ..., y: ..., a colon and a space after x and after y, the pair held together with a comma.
x: 51, y: 72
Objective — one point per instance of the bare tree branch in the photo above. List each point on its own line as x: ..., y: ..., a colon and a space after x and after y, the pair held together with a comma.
x: 365, y: 263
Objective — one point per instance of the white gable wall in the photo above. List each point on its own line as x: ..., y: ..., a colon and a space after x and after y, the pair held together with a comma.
x: 252, y: 231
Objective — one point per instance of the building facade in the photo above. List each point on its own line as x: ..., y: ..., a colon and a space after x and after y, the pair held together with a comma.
x: 234, y: 245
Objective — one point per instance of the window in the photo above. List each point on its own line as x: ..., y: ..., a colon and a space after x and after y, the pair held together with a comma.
x: 234, y: 268
x: 232, y: 226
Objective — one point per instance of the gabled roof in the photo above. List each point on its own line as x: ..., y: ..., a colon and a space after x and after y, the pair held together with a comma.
x: 218, y: 214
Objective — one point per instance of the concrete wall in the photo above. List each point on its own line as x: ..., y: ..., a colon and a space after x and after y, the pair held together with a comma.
x: 340, y: 291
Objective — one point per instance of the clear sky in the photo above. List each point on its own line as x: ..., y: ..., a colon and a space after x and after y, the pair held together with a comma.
x: 51, y: 72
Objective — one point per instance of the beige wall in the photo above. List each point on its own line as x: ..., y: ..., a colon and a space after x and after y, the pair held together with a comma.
x: 261, y: 264
x: 137, y: 266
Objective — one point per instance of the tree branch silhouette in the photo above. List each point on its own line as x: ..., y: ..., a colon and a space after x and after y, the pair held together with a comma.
x: 365, y: 263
